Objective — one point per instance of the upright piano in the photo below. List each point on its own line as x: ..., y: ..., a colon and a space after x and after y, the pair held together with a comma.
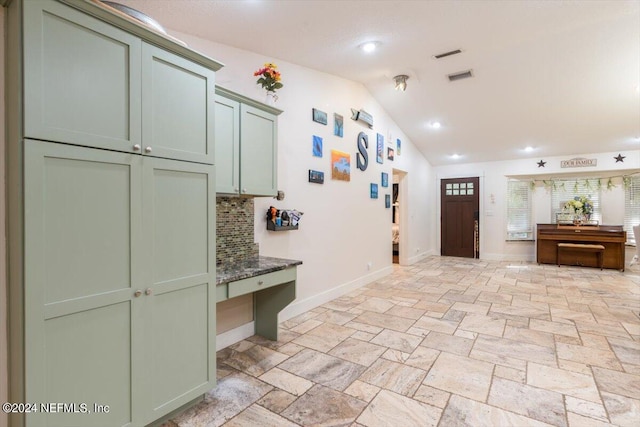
x: 612, y: 237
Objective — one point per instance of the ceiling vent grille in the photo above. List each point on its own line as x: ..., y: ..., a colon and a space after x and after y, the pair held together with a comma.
x: 459, y: 76
x: 445, y: 54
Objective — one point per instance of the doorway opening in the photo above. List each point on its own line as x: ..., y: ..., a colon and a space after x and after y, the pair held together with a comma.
x: 460, y: 216
x: 399, y: 217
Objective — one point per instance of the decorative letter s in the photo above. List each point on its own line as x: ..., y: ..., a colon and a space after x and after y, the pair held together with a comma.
x: 362, y: 158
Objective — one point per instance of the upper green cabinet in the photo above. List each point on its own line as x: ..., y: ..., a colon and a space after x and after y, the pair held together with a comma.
x: 177, y: 107
x: 246, y: 146
x: 89, y: 83
x: 81, y: 79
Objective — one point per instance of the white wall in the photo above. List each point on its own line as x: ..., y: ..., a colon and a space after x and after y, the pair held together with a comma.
x: 342, y: 228
x: 493, y: 181
x: 3, y: 245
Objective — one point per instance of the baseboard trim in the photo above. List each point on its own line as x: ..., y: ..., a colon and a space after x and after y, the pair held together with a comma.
x: 314, y: 301
x: 507, y: 257
x: 233, y: 336
x: 419, y: 257
x: 245, y: 331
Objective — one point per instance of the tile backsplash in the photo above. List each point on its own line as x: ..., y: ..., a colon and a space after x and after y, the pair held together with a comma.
x: 234, y: 229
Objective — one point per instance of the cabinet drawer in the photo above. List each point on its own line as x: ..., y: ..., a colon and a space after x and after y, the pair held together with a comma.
x: 263, y: 281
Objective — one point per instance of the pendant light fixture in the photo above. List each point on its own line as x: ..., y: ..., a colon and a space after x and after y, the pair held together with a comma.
x: 401, y: 82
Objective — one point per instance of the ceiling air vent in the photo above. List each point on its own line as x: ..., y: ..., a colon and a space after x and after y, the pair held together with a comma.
x: 444, y: 55
x: 459, y: 76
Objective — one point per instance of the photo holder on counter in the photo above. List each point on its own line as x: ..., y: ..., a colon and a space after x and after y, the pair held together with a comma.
x: 283, y: 220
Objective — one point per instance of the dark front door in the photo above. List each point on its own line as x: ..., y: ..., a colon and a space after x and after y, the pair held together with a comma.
x: 459, y: 217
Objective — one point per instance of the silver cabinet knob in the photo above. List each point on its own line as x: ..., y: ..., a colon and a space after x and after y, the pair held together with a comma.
x: 260, y: 282
x: 244, y: 190
x: 147, y: 149
x: 137, y: 293
x: 136, y: 147
x: 235, y: 190
x: 148, y: 291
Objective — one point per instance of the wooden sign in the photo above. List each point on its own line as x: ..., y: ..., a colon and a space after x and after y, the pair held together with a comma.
x: 363, y: 116
x: 578, y: 162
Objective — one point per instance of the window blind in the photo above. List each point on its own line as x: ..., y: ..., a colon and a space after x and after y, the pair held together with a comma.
x: 632, y: 207
x: 519, y: 226
x: 564, y: 190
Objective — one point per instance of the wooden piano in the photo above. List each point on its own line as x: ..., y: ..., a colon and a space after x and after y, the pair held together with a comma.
x: 611, y: 237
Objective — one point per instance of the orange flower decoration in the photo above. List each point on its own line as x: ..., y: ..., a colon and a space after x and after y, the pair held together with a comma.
x: 270, y: 78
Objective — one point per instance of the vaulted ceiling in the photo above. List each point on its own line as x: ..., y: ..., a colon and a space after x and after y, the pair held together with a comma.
x: 561, y: 77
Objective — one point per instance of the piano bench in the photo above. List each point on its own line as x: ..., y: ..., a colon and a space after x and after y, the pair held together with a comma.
x: 598, y: 249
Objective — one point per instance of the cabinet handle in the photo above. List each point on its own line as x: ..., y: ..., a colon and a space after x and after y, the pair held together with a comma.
x: 260, y: 283
x: 137, y: 293
x: 136, y: 147
x: 244, y: 190
x: 147, y: 149
x: 148, y: 291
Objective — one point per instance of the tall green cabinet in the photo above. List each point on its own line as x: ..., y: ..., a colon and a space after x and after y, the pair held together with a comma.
x: 111, y: 186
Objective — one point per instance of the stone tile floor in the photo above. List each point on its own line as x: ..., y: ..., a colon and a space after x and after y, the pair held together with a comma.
x: 445, y: 342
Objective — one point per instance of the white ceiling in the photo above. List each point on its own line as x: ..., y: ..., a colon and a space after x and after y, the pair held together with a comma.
x: 560, y: 76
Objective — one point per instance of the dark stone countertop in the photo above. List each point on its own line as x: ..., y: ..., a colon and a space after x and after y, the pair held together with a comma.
x: 251, y: 267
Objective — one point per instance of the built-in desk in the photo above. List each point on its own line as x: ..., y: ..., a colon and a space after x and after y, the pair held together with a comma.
x: 272, y: 282
x: 611, y: 237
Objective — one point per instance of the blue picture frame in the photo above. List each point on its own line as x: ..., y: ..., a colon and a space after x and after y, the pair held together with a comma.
x: 385, y: 179
x: 374, y: 191
x: 380, y: 148
x: 317, y: 146
x: 319, y: 116
x: 387, y: 201
x: 338, y: 125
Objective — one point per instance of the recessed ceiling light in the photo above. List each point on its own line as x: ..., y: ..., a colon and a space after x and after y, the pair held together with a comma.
x: 528, y: 148
x: 369, y: 47
x: 455, y: 156
x: 435, y: 125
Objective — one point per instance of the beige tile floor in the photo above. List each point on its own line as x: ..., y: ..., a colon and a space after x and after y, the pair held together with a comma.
x: 445, y: 342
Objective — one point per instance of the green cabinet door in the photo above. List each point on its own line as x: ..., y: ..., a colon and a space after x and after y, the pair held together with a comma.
x: 119, y: 284
x: 81, y: 79
x: 179, y: 276
x: 177, y: 107
x: 82, y: 247
x: 227, y: 138
x: 258, y: 151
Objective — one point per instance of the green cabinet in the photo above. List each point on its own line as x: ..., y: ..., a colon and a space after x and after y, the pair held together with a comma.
x: 89, y: 83
x: 111, y: 213
x: 246, y: 145
x: 119, y: 281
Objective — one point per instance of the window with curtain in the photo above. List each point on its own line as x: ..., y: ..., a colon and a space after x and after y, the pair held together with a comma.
x: 519, y: 222
x: 632, y: 207
x: 564, y: 190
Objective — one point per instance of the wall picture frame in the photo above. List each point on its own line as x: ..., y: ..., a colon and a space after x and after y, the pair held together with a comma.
x: 387, y: 201
x: 340, y: 165
x: 317, y: 146
x: 390, y: 153
x: 373, y: 193
x: 398, y: 146
x: 338, y: 125
x: 379, y: 148
x: 385, y: 179
x: 319, y: 116
x: 316, y: 177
